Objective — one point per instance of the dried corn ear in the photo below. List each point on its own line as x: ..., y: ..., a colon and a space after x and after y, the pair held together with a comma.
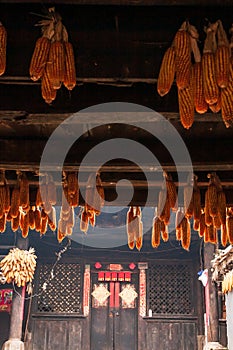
x: 216, y: 107
x: 15, y: 202
x: 56, y: 64
x: 31, y: 219
x: 166, y: 72
x: 15, y: 222
x: 222, y: 207
x: 185, y: 233
x: 72, y: 182
x: 164, y: 232
x: 65, y: 204
x: 37, y: 215
x: 200, y: 103
x: 156, y: 230
x: 171, y: 193
x: 188, y: 200
x: 162, y: 204
x: 44, y: 224
x: 84, y: 222
x: 212, y: 194
x: 227, y: 104
x: 186, y: 106
x: 3, y: 223
x: 196, y: 224
x: 47, y: 90
x: 2, y: 200
x: 222, y: 57
x: 51, y: 192
x: 130, y: 227
x: 217, y: 222
x: 179, y: 218
x: 25, y: 226
x: 182, y: 46
x: 202, y: 225
x: 224, y: 235
x: 3, y: 42
x: 24, y: 191
x: 211, y: 90
x: 39, y: 58
x: 70, y: 70
x: 7, y: 202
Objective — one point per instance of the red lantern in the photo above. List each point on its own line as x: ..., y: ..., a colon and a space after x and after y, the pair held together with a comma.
x: 132, y: 266
x: 98, y: 265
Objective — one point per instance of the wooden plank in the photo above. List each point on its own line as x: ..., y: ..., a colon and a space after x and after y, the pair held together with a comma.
x: 131, y: 2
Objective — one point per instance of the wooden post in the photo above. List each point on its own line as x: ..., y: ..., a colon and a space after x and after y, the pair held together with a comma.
x: 213, y: 327
x: 16, y: 322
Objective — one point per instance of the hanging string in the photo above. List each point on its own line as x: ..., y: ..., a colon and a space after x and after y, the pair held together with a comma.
x: 51, y: 274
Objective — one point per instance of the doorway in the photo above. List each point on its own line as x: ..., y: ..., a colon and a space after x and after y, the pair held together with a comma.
x: 114, y: 309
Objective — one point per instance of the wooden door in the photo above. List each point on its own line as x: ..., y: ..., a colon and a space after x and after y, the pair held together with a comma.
x: 114, y: 311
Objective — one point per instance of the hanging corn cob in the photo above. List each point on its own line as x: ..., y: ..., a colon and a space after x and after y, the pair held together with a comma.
x: 179, y: 218
x: 211, y: 90
x: 222, y: 57
x: 171, y: 192
x: 212, y: 195
x: 182, y: 47
x: 3, y: 42
x: 166, y: 72
x: 196, y: 204
x: 185, y: 233
x: 200, y: 104
x: 188, y: 197
x: 156, y: 232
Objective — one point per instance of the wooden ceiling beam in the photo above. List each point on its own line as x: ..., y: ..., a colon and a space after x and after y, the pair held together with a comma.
x: 131, y: 2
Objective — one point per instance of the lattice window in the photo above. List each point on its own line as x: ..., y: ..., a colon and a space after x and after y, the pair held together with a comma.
x: 64, y: 292
x: 170, y: 289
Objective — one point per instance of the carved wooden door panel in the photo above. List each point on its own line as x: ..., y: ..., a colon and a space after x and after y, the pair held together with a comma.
x: 114, y: 310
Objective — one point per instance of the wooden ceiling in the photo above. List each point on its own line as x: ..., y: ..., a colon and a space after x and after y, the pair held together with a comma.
x: 118, y: 46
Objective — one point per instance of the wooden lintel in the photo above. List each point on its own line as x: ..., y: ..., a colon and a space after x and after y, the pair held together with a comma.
x: 132, y: 2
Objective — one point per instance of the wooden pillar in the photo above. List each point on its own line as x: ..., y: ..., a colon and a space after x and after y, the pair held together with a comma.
x: 16, y: 322
x: 213, y: 327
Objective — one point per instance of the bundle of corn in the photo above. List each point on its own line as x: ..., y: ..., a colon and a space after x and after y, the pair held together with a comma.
x: 215, y: 211
x: 134, y: 227
x: 94, y: 201
x: 3, y: 41
x: 177, y: 61
x: 227, y: 283
x: 53, y: 58
x: 18, y: 266
x: 66, y: 220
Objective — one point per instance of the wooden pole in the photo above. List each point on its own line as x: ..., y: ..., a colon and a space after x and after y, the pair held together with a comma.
x: 213, y: 327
